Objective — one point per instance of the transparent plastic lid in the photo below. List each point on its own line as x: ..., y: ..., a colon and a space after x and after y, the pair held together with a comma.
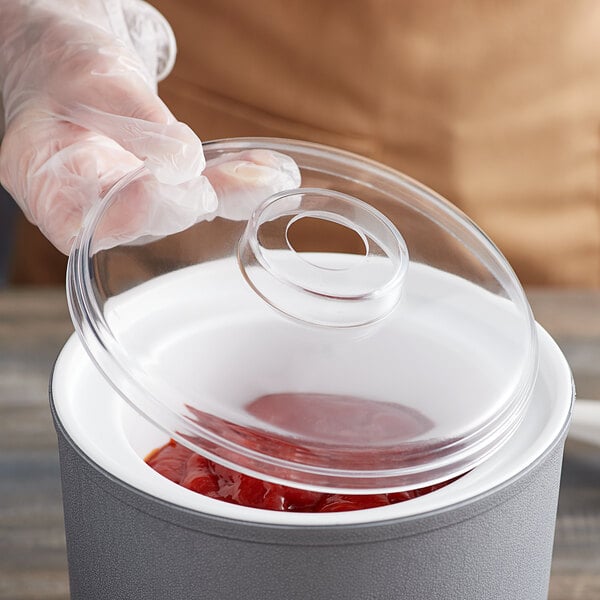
x: 357, y: 334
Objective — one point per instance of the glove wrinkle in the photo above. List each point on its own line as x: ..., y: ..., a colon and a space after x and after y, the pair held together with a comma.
x: 80, y: 111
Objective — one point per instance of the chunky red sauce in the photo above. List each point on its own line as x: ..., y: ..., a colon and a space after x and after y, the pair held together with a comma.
x: 350, y: 418
x: 196, y: 473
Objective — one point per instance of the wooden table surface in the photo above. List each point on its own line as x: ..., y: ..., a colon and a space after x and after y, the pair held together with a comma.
x: 35, y: 323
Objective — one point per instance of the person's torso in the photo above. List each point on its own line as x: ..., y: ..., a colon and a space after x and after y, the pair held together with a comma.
x: 495, y: 105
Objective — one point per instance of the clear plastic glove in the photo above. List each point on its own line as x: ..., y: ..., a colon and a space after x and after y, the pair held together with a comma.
x: 81, y: 110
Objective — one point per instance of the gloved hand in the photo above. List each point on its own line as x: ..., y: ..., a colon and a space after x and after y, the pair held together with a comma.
x: 81, y: 110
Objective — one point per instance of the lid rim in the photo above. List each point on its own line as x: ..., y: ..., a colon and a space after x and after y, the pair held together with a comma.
x: 104, y: 349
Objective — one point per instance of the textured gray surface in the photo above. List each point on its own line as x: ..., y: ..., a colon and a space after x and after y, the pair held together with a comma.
x: 124, y: 544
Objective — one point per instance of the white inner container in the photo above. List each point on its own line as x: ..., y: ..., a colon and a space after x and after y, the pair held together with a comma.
x: 116, y: 438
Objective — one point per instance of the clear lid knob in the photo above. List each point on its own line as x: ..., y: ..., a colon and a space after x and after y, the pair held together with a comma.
x: 339, y: 289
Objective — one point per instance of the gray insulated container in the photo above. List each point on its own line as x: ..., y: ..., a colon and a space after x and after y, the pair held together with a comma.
x: 328, y: 324
x: 487, y: 536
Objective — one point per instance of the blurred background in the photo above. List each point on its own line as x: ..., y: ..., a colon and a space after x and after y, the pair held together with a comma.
x: 8, y: 220
x: 495, y: 105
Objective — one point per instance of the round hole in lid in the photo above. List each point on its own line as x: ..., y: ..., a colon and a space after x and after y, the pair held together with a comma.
x: 313, y: 234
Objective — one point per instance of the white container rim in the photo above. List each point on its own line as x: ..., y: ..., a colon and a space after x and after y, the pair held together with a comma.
x: 112, y: 436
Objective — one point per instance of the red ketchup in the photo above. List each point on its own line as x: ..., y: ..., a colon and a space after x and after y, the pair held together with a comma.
x: 199, y: 474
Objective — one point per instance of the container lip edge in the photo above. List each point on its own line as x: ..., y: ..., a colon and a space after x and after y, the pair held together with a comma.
x: 379, y: 528
x: 377, y: 525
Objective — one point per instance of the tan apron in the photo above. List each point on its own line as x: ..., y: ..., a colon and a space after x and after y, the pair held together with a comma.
x: 494, y: 104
